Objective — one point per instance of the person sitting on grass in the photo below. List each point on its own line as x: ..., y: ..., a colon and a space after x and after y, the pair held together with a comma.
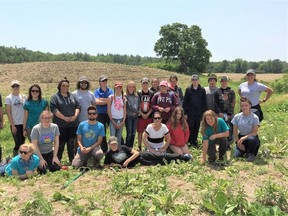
x: 24, y: 165
x: 214, y: 131
x: 123, y: 156
x: 245, y: 129
x: 179, y: 132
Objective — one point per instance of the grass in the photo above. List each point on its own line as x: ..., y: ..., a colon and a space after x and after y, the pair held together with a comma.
x: 237, y: 188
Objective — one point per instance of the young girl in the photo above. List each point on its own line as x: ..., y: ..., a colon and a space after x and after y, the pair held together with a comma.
x: 132, y: 105
x: 116, y: 109
x: 179, y: 132
x: 214, y: 131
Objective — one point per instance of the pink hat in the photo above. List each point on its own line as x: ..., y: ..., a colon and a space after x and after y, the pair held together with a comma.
x: 163, y: 83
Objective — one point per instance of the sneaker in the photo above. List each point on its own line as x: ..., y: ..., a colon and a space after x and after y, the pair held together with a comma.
x: 237, y: 153
x: 187, y: 157
x: 251, y: 157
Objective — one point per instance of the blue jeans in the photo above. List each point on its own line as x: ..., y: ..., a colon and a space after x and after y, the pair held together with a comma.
x: 2, y: 169
x: 252, y: 145
x: 131, y: 125
x: 116, y: 132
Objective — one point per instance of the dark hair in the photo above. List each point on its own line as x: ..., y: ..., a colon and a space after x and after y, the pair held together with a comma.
x: 92, y: 108
x: 173, y: 77
x: 157, y: 113
x: 60, y: 83
x: 245, y: 99
x: 211, y: 77
x: 40, y: 92
x: 173, y: 118
x: 78, y: 84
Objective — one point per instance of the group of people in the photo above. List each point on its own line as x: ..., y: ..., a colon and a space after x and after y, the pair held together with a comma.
x: 166, y: 120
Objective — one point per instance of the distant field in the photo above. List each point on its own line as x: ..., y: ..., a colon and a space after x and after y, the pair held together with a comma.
x: 237, y: 77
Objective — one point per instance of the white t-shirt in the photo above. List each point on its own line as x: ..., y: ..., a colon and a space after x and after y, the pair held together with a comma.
x: 156, y: 138
x: 117, y: 106
x: 17, y: 111
x: 252, y: 92
x: 86, y: 99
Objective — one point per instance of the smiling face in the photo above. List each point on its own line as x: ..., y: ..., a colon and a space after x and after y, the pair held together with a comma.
x: 210, y: 120
x: 245, y: 107
x: 25, y: 153
x: 250, y: 77
x: 64, y: 87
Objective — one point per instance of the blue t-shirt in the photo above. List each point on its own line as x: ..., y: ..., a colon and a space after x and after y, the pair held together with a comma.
x: 34, y: 108
x: 221, y: 127
x: 90, y: 133
x: 17, y: 163
x: 99, y: 93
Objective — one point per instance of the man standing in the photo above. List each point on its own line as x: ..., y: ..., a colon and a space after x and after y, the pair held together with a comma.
x: 1, y: 123
x: 210, y: 91
x: 101, y: 95
x: 85, y: 97
x: 194, y: 106
x: 89, y: 137
x: 144, y: 119
x: 14, y: 107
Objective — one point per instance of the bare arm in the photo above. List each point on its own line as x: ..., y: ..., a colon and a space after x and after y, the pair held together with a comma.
x: 134, y: 155
x: 269, y: 92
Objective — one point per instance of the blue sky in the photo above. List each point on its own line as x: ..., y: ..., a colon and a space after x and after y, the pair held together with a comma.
x: 253, y: 30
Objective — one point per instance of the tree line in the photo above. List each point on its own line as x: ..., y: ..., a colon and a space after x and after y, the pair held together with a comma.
x: 11, y: 55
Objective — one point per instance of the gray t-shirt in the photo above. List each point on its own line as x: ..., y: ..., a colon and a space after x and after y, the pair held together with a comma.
x: 86, y: 99
x: 244, y: 123
x: 45, y: 137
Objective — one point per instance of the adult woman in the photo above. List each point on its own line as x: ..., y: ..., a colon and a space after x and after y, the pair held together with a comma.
x: 14, y: 107
x: 214, y: 131
x: 252, y: 90
x: 117, y: 111
x: 245, y: 129
x: 155, y: 135
x: 179, y: 132
x: 132, y: 106
x: 33, y: 107
x: 44, y: 136
x: 24, y: 165
x: 65, y: 108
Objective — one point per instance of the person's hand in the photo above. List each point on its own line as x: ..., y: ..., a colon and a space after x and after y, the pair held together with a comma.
x: 213, y: 137
x: 29, y: 173
x: 56, y: 160
x: 66, y: 119
x: 24, y: 133
x: 125, y: 164
x: 161, y: 109
x: 43, y: 164
x: 73, y: 118
x: 14, y: 129
x: 162, y: 150
x: 202, y: 161
x: 167, y: 109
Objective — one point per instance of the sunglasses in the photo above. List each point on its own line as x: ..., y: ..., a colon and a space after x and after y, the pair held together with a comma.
x: 15, y: 86
x: 157, y: 118
x: 35, y: 91
x: 46, y: 117
x: 194, y: 79
x: 23, y: 152
x: 92, y: 113
x: 84, y: 83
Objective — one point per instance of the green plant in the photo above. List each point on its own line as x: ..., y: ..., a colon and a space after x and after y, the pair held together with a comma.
x: 37, y: 206
x: 135, y: 207
x: 164, y: 201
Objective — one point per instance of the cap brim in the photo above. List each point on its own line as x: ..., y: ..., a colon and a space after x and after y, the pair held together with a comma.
x: 113, y: 142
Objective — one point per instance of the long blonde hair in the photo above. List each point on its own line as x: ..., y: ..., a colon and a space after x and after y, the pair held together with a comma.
x: 134, y: 85
x: 204, y: 124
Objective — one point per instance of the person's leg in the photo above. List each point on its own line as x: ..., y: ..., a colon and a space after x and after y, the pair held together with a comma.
x: 97, y: 154
x: 211, y: 152
x: 185, y: 149
x: 129, y: 131
x: 112, y: 129
x: 196, y: 130
x: 19, y: 139
x: 191, y: 129
x: 104, y: 119
x: 176, y: 149
x: 28, y: 130
x: 252, y: 145
x: 71, y: 142
x: 62, y: 141
x: 80, y: 159
x: 223, y: 143
x: 51, y: 166
x: 134, y: 126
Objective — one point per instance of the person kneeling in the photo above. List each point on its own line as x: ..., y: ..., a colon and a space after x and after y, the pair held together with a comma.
x: 121, y: 155
x: 214, y: 131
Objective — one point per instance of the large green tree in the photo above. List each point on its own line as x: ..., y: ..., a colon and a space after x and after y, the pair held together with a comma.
x: 185, y: 45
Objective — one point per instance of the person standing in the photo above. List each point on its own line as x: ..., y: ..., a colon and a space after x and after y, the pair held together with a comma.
x: 1, y: 123
x: 33, y: 107
x: 172, y: 85
x: 116, y: 109
x: 210, y: 91
x: 194, y: 106
x: 89, y: 137
x: 101, y: 95
x: 45, y: 138
x: 65, y: 108
x: 132, y: 112
x: 155, y: 85
x: 225, y: 100
x: 85, y: 97
x: 14, y: 107
x: 252, y: 90
x: 145, y: 118
x: 164, y: 102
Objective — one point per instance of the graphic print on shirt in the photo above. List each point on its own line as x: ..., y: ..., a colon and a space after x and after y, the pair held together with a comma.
x: 118, y: 103
x: 145, y: 103
x: 119, y: 157
x: 90, y: 134
x: 46, y: 138
x: 18, y: 102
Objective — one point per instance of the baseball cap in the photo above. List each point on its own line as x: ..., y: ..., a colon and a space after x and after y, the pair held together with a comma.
x: 250, y: 71
x: 212, y: 77
x: 83, y: 78
x: 102, y: 78
x: 194, y: 76
x: 145, y: 80
x: 224, y: 78
x: 15, y: 82
x: 163, y: 83
x: 118, y: 84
